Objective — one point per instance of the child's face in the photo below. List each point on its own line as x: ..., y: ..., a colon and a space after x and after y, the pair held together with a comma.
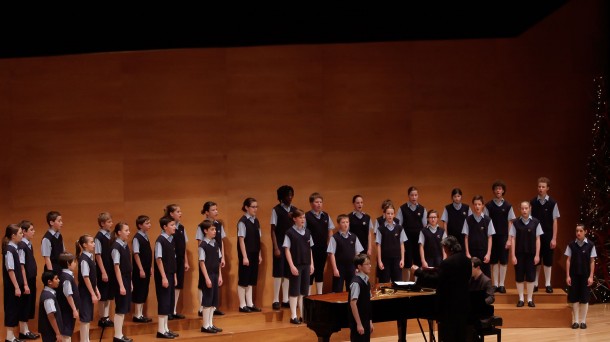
x: 457, y: 198
x: 176, y: 214
x: 525, y: 210
x: 145, y: 227
x: 288, y: 198
x: 389, y: 215
x: 170, y: 229
x: 316, y: 205
x: 344, y: 224
x: 433, y: 219
x: 210, y: 233
x: 123, y: 233
x: 107, y: 225
x: 477, y: 206
x: 252, y: 209
x: 413, y: 196
x: 72, y: 266
x: 299, y: 221
x: 29, y: 233
x: 365, y: 267
x: 213, y: 212
x: 498, y: 192
x: 358, y: 204
x: 17, y: 236
x: 580, y: 233
x: 89, y: 246
x: 57, y: 224
x: 54, y: 283
x: 543, y: 188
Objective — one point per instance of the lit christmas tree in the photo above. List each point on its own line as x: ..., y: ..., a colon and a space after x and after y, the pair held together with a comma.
x: 595, y: 206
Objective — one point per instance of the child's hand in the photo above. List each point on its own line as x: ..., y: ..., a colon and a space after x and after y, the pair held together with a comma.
x: 486, y: 258
x: 186, y: 267
x: 336, y: 272
x: 294, y: 271
x: 142, y: 274
x: 260, y: 259
x: 75, y: 314
x: 569, y: 281
x: 104, y: 277
x: 164, y: 282
x: 246, y: 262
x: 402, y: 263
x: 536, y: 260
x: 553, y: 244
x: 372, y: 327
x: 220, y: 280
x: 208, y: 283
x: 360, y: 329
x: 222, y: 262
x: 380, y: 264
x: 276, y: 252
x: 311, y: 269
x: 94, y: 299
x: 424, y: 264
x: 508, y: 244
x: 514, y: 260
x: 122, y: 291
x: 590, y: 281
x: 17, y: 292
x: 26, y: 289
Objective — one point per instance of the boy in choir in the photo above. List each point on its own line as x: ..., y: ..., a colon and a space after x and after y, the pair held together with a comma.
x: 454, y: 215
x: 412, y: 217
x: 502, y: 216
x: 430, y: 249
x: 180, y: 239
x: 360, y: 318
x: 390, y: 241
x: 343, y: 246
x: 321, y: 227
x: 280, y: 223
x: 28, y: 309
x: 545, y: 209
x: 525, y: 251
x: 580, y: 266
x: 68, y: 295
x: 105, y: 268
x: 49, y: 315
x: 248, y: 254
x: 142, y: 268
x: 52, y: 242
x: 478, y: 230
x: 209, y: 266
x: 165, y: 276
x: 361, y: 225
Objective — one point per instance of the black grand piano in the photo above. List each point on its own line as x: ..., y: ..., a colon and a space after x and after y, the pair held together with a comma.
x: 329, y: 313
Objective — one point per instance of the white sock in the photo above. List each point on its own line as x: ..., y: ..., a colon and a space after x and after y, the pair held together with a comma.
x: 212, y: 315
x: 241, y: 294
x: 10, y: 335
x: 301, y: 306
x: 139, y: 310
x: 547, y: 275
x: 495, y: 273
x: 165, y: 323
x: 107, y: 309
x: 84, y: 332
x: 575, y: 309
x: 200, y: 299
x: 66, y: 338
x: 530, y: 292
x: 23, y: 327
x: 584, y: 309
x: 319, y: 287
x: 309, y: 290
x: 206, y: 317
x: 537, y: 275
x: 277, y: 282
x: 161, y: 324
x: 100, y: 307
x: 118, y: 325
x: 285, y: 286
x: 502, y: 274
x: 293, y: 306
x: 176, y: 295
x: 520, y: 291
x: 249, y: 296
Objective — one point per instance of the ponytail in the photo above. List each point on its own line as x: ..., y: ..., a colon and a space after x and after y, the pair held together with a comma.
x: 11, y: 230
x: 80, y: 242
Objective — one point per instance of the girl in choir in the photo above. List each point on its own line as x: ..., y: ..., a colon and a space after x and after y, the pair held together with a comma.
x: 430, y: 249
x: 87, y: 283
x: 68, y: 295
x: 13, y: 276
x: 390, y: 248
x: 142, y: 268
x: 455, y: 214
x: 210, y: 212
x: 121, y: 259
x: 248, y: 254
x: 412, y: 217
x: 209, y: 265
x: 28, y: 308
x: 361, y: 225
x: 179, y: 241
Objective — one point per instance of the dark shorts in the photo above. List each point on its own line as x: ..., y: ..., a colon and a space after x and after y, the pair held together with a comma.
x: 165, y: 295
x: 106, y: 289
x: 140, y: 288
x: 391, y: 270
x: 180, y: 271
x: 11, y: 305
x: 579, y: 291
x: 346, y: 274
x: 299, y: 284
x: 499, y: 254
x: 85, y: 312
x: 122, y: 303
x: 546, y: 253
x: 210, y: 295
x: 319, y: 262
x: 27, y: 309
x: 280, y: 265
x: 248, y: 275
x: 525, y: 268
x: 412, y: 256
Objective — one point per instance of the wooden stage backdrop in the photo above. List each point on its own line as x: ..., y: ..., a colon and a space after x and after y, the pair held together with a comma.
x: 130, y: 132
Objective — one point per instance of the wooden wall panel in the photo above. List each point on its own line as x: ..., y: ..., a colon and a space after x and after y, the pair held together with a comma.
x: 131, y: 132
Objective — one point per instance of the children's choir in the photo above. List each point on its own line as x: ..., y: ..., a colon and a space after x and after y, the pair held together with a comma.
x: 105, y: 268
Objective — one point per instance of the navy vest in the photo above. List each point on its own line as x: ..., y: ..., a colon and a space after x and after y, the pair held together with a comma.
x: 544, y: 213
x: 252, y: 240
x: 580, y: 260
x: 390, y: 241
x: 499, y: 216
x: 525, y: 236
x: 346, y: 248
x: 318, y: 228
x: 179, y: 242
x: 283, y: 224
x: 218, y: 236
x: 92, y: 273
x: 145, y: 255
x: 299, y: 247
x: 57, y: 247
x: 168, y: 258
x: 44, y: 326
x: 125, y: 261
x: 477, y: 232
x: 31, y: 269
x: 61, y: 298
x: 16, y: 270
x: 412, y: 220
x: 360, y: 227
x: 363, y: 304
x: 212, y: 260
x: 432, y: 248
x: 455, y: 220
x: 106, y: 257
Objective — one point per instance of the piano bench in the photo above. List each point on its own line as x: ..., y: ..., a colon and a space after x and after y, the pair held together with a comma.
x: 488, y: 332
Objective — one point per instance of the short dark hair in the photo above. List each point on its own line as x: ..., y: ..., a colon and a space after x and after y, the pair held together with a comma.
x: 478, y: 198
x: 205, y: 225
x: 499, y: 183
x: 165, y: 220
x: 456, y: 191
x: 52, y: 216
x: 47, y: 276
x: 141, y: 220
x: 476, y: 262
x: 360, y: 259
x: 283, y: 191
x: 65, y: 259
x: 452, y: 244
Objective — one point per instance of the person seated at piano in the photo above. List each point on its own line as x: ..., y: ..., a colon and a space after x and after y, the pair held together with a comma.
x: 430, y: 238
x: 360, y: 320
x: 391, y: 238
x: 480, y: 282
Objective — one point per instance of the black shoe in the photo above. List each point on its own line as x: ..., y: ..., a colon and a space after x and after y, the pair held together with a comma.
x: 105, y: 322
x: 575, y: 325
x: 520, y: 304
x: 208, y: 330
x: 14, y: 340
x: 583, y: 325
x: 218, y: 313
x: 502, y: 289
x: 170, y: 317
x: 285, y: 304
x: 549, y: 289
x: 122, y: 339
x: 535, y: 288
x: 165, y: 335
x: 253, y: 308
x: 28, y: 336
x: 531, y: 304
x: 275, y: 306
x: 245, y: 309
x: 200, y: 313
x: 141, y: 319
x: 295, y: 321
x: 495, y: 288
x: 178, y: 316
x: 216, y: 328
x: 175, y: 334
x: 301, y: 319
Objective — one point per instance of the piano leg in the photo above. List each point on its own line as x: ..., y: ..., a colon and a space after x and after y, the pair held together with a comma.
x: 401, y: 325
